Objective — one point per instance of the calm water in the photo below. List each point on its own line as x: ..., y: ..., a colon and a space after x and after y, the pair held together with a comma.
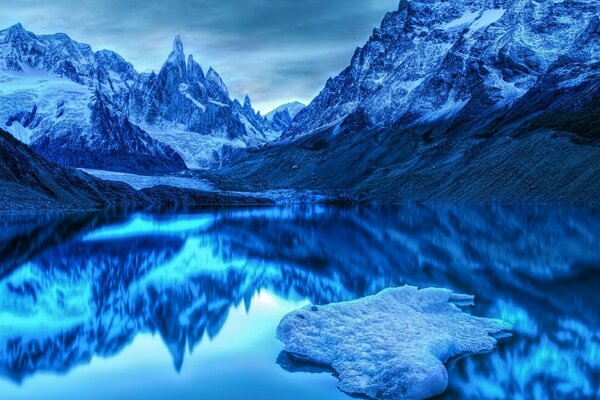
x: 185, y: 305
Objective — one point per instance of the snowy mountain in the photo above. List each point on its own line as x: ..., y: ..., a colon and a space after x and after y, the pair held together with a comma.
x: 438, y: 60
x: 92, y: 109
x: 292, y: 108
x: 463, y: 100
x: 281, y: 118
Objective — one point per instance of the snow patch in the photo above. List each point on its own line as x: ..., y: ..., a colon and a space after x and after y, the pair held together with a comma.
x: 184, y: 89
x: 217, y: 103
x: 18, y: 131
x: 196, y: 149
x: 466, y: 19
x: 446, y: 111
x: 487, y: 18
x: 139, y: 182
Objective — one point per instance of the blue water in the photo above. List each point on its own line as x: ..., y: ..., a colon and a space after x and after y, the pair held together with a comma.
x: 128, y: 305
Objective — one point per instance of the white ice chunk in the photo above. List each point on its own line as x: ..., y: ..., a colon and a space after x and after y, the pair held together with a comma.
x: 392, y: 345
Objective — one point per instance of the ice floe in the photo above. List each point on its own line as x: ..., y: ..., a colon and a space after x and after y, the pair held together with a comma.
x: 392, y: 345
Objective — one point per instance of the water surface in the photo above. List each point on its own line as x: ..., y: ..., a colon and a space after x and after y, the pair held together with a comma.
x: 185, y: 304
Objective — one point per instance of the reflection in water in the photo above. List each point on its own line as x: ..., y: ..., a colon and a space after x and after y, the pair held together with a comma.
x: 77, y: 287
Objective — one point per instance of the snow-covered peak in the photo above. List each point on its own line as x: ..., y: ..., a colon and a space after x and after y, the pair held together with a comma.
x: 15, y: 28
x: 293, y: 108
x: 247, y: 102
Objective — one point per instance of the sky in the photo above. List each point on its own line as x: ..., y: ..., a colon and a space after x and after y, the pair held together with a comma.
x: 274, y: 50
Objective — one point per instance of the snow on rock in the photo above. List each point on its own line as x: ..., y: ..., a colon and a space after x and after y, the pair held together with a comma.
x: 292, y: 108
x: 392, y: 345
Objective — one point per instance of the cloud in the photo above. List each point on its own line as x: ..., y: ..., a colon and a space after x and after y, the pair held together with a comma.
x: 275, y: 50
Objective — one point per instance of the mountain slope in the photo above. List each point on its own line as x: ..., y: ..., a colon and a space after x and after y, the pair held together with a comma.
x: 438, y: 61
x: 29, y: 182
x: 502, y: 106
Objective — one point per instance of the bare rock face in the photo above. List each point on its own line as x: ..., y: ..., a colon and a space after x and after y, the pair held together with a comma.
x: 392, y: 345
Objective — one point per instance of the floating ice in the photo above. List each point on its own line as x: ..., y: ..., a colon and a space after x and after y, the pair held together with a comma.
x: 392, y: 345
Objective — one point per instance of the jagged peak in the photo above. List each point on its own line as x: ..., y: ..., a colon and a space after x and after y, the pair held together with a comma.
x: 404, y: 4
x: 177, y: 57
x: 177, y: 45
x: 16, y: 27
x: 247, y: 102
x: 15, y: 30
x: 194, y: 70
x: 212, y: 73
x: 213, y: 76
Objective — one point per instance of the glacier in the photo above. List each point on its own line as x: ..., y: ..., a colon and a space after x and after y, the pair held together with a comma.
x: 392, y: 345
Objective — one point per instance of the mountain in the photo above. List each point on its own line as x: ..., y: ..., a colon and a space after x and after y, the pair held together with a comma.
x: 293, y: 108
x: 69, y: 104
x: 89, y: 109
x: 281, y: 118
x: 462, y: 101
x: 29, y: 182
x: 194, y: 113
x: 437, y: 61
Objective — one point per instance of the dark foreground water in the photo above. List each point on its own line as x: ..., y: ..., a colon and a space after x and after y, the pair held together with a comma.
x: 184, y: 305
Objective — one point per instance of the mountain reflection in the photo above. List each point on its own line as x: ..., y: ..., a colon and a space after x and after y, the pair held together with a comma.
x: 87, y: 285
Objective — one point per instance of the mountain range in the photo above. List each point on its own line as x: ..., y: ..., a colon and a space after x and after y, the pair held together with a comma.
x: 471, y: 100
x: 89, y: 109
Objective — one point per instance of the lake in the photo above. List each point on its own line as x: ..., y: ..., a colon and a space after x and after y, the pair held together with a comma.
x: 184, y: 304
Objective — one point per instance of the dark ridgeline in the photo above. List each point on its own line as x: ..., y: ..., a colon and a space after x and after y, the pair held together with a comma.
x: 30, y: 183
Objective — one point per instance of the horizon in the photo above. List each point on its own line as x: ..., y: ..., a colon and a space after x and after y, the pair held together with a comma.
x: 289, y: 59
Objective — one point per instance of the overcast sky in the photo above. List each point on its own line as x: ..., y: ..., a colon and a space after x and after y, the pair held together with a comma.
x: 274, y: 50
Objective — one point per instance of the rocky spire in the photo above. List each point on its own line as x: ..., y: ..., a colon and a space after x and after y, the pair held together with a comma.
x: 217, y: 82
x: 177, y: 57
x: 177, y: 45
x: 248, y: 103
x: 194, y: 71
